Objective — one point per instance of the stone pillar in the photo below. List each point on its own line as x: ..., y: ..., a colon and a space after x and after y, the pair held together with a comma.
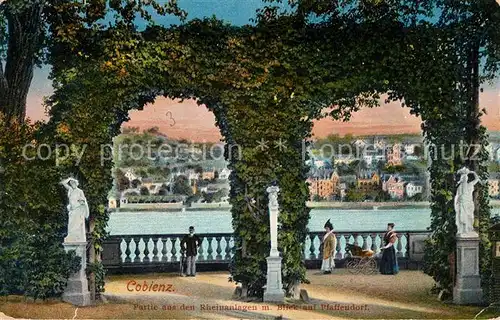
x: 467, y: 289
x: 77, y: 290
x: 274, y: 286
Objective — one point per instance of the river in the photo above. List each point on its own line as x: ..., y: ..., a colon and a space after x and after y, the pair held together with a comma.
x: 219, y: 221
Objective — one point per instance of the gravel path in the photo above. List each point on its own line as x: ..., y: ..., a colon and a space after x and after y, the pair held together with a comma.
x: 337, y: 296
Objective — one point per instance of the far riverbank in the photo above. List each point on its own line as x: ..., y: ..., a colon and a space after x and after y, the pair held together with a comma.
x: 176, y: 207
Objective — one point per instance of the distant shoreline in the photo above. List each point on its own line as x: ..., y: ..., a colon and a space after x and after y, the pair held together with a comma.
x: 310, y: 204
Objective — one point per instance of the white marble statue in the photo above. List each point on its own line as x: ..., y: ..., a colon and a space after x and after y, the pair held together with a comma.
x: 273, y: 218
x: 78, y: 211
x: 273, y: 196
x: 464, y: 203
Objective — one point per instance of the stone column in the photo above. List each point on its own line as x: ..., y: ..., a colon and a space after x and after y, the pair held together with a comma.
x: 467, y: 289
x: 274, y: 286
x: 77, y: 290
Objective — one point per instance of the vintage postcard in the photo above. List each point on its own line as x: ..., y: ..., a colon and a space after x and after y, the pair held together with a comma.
x: 249, y: 159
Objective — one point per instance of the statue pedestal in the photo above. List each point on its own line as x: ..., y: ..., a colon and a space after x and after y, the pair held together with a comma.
x: 467, y: 288
x: 274, y: 287
x: 77, y: 291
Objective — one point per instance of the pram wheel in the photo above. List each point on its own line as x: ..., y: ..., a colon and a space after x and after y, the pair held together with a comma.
x: 353, y: 266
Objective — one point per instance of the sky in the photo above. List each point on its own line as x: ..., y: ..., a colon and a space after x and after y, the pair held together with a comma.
x: 190, y: 121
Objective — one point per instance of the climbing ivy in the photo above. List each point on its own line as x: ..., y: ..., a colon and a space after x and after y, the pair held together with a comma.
x: 268, y: 82
x: 32, y: 216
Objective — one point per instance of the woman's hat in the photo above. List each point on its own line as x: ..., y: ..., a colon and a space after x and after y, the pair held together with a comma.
x: 328, y: 225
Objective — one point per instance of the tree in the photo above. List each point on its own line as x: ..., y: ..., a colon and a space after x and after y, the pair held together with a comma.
x: 354, y: 166
x: 166, y: 172
x: 193, y: 198
x: 382, y: 196
x: 129, y: 130
x: 31, y: 31
x: 181, y: 186
x: 217, y: 196
x: 144, y: 191
x: 418, y: 151
x: 391, y: 169
x: 152, y: 130
x: 380, y: 166
x: 143, y: 173
x: 317, y: 198
x: 121, y: 180
x: 354, y: 195
x: 136, y: 183
x: 198, y: 169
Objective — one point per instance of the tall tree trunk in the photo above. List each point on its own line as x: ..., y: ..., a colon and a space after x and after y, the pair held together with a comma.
x: 25, y: 37
x: 92, y: 260
x: 473, y: 126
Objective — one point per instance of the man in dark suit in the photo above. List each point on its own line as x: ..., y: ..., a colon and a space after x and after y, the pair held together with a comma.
x: 189, y: 245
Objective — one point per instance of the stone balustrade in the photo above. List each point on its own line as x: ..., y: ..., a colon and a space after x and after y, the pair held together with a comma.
x: 142, y: 252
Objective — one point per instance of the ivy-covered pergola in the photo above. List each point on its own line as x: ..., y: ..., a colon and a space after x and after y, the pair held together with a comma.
x: 267, y: 83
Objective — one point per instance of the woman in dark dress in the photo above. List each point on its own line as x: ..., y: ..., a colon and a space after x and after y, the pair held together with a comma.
x: 389, y: 262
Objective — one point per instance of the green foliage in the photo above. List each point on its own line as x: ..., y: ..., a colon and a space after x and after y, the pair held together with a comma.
x: 100, y: 274
x: 144, y: 191
x: 181, y: 186
x: 391, y: 169
x: 267, y: 81
x: 317, y: 198
x: 494, y: 167
x: 32, y: 218
x: 135, y: 183
x: 214, y: 196
x: 121, y: 180
x: 355, y: 195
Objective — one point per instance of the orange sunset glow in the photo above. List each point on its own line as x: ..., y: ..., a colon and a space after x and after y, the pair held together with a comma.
x: 196, y: 123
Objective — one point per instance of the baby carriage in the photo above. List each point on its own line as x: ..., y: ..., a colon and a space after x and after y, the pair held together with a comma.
x: 359, y: 260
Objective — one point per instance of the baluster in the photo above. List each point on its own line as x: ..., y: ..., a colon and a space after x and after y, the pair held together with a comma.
x: 355, y: 236
x: 338, y: 255
x: 143, y: 246
x: 407, y: 253
x: 365, y: 242
x: 219, y: 249
x: 373, y: 247
x: 210, y: 250
x: 342, y: 244
x: 155, y: 250
x: 164, y: 257
x: 312, y: 255
x: 231, y: 247
x: 399, y: 246
x: 127, y: 251
x: 351, y: 238
x: 381, y: 237
x: 228, y: 249
x: 137, y: 252
x: 201, y: 255
x: 173, y: 251
x: 121, y: 249
x: 146, y: 252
